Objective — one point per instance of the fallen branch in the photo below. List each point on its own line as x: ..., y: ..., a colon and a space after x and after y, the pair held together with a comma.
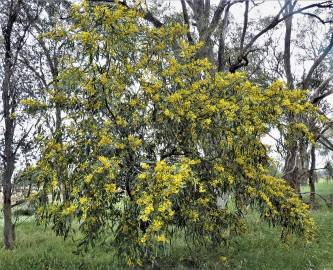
x: 320, y: 196
x: 18, y: 203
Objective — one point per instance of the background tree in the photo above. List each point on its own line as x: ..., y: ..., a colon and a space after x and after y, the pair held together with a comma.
x: 17, y: 84
x: 44, y: 59
x: 13, y: 42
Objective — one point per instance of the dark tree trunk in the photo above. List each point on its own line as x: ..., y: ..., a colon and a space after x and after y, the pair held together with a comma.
x: 313, y: 177
x: 9, y: 106
x: 8, y: 158
x: 62, y: 169
x: 291, y: 168
x: 7, y: 191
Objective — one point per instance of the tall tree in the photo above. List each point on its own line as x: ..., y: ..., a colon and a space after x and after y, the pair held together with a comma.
x: 44, y: 58
x: 9, y: 102
x: 298, y: 153
x: 15, y: 86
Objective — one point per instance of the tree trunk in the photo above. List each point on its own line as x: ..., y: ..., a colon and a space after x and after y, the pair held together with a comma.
x: 62, y: 170
x: 304, y: 159
x: 291, y: 166
x: 9, y: 105
x: 291, y: 169
x: 312, y: 177
x: 8, y: 230
x: 8, y: 163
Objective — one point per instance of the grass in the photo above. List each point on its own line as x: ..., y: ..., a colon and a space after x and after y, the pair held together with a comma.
x: 259, y: 249
x: 324, y: 188
x: 38, y: 248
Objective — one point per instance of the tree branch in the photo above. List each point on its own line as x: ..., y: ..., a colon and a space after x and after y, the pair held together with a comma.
x: 287, y: 46
x: 277, y: 19
x: 326, y: 142
x: 327, y: 203
x: 317, y: 95
x: 221, y: 51
x: 148, y: 16
x: 187, y: 21
x: 246, y: 20
x: 317, y: 62
x: 217, y: 15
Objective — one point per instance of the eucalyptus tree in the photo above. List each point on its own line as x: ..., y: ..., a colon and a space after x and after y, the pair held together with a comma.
x: 316, y: 76
x: 15, y: 85
x: 29, y: 67
x: 45, y: 60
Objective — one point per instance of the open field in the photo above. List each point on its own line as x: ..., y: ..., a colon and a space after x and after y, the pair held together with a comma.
x: 260, y: 248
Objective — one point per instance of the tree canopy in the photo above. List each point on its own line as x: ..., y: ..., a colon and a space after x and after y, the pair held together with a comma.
x: 154, y: 136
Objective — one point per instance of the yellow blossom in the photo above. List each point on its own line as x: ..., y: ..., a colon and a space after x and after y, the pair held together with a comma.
x: 110, y: 188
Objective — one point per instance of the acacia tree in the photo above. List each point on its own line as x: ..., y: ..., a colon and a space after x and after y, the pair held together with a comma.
x: 146, y: 116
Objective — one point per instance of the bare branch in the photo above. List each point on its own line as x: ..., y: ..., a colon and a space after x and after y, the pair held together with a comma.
x: 19, y: 202
x: 317, y: 62
x: 221, y: 50
x: 277, y: 19
x: 26, y: 63
x: 317, y: 17
x: 318, y: 94
x: 326, y: 142
x: 190, y: 3
x: 287, y: 48
x: 246, y: 20
x: 25, y: 135
x: 187, y: 21
x: 327, y: 203
x: 217, y: 15
x: 147, y: 14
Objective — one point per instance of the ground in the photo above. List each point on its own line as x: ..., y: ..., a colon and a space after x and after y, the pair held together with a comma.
x: 38, y: 248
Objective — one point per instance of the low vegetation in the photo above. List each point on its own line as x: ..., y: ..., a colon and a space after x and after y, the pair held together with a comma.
x: 259, y: 248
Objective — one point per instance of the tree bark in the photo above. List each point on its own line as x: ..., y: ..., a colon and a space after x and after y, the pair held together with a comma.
x: 291, y: 168
x: 8, y: 155
x: 291, y: 163
x: 313, y: 177
x: 287, y: 48
x: 8, y: 160
x: 9, y: 106
x: 9, y: 163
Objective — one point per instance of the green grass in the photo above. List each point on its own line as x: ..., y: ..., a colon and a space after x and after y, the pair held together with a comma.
x: 37, y: 248
x: 262, y: 249
x: 259, y: 249
x: 323, y: 188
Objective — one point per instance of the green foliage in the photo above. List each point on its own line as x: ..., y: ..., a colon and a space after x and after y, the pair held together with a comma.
x: 145, y: 116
